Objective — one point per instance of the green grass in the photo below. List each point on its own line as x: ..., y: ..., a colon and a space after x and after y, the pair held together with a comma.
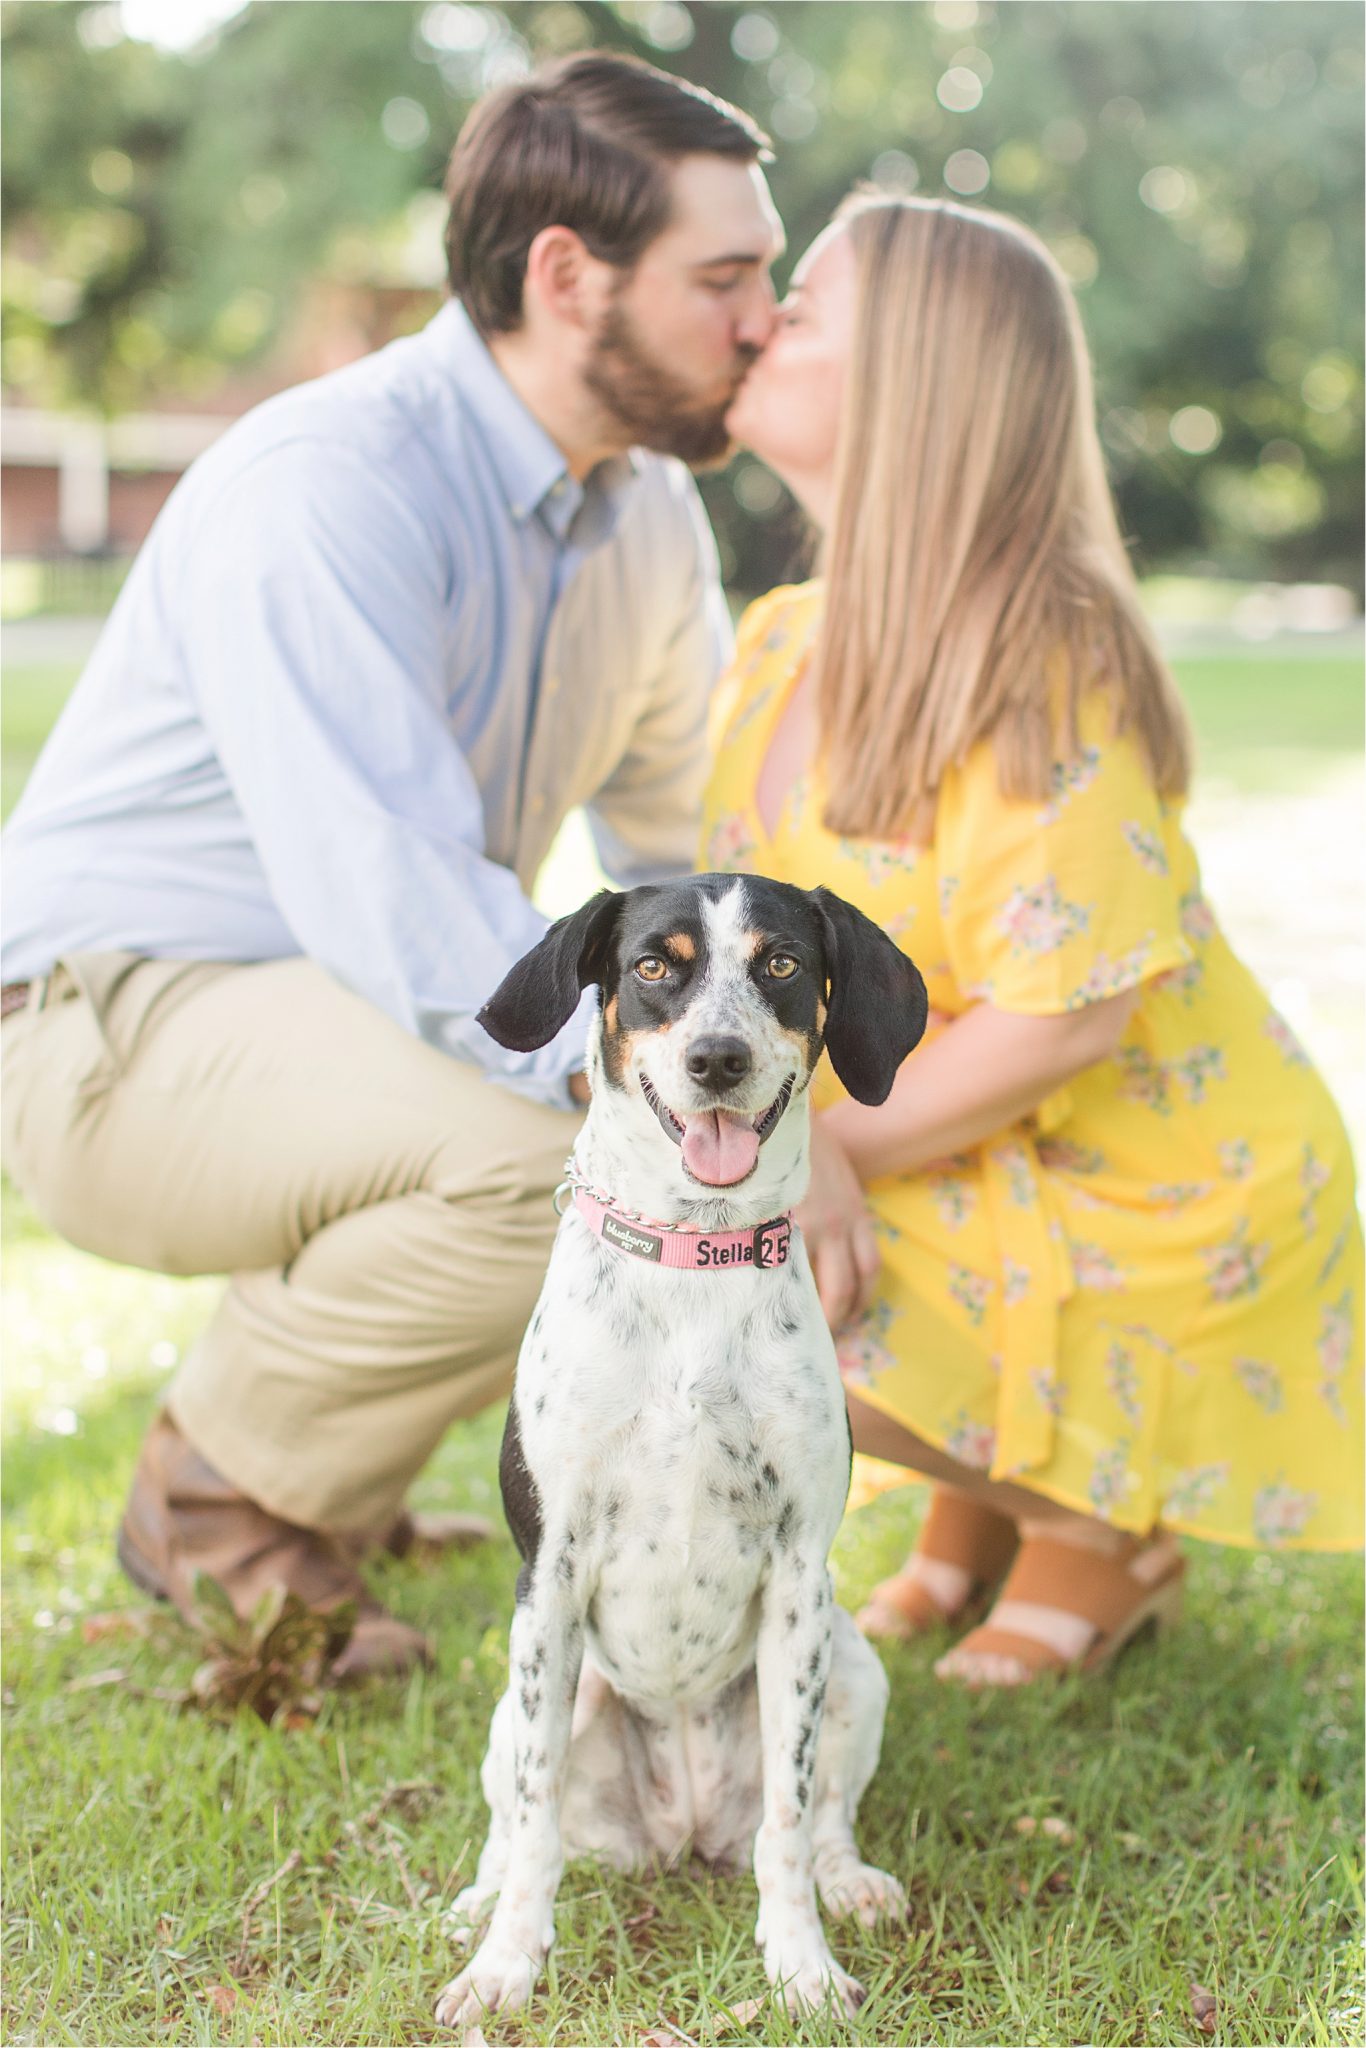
x: 1212, y: 1784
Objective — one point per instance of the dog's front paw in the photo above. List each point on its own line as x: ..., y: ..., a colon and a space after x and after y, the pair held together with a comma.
x: 860, y: 1888
x: 499, y: 1978
x: 807, y: 1978
x: 467, y: 1913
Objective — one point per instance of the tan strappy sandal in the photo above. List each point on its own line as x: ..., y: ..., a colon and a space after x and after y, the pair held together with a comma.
x: 955, y: 1531
x: 1096, y: 1589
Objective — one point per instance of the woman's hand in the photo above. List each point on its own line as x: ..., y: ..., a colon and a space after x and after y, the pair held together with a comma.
x: 834, y: 1221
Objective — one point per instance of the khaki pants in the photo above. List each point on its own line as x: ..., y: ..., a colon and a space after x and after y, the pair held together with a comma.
x: 383, y: 1211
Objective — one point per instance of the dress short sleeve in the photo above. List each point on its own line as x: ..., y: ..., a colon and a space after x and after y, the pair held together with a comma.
x: 1048, y: 907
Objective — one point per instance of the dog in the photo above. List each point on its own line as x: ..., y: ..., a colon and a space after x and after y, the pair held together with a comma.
x: 677, y: 1450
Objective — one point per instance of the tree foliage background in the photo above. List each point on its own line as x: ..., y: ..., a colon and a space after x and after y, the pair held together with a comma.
x: 1195, y: 164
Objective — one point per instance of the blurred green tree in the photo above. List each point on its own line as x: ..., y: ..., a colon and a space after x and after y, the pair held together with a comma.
x: 1197, y: 169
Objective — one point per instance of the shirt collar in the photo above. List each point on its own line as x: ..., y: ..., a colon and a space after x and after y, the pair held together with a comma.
x: 531, y: 466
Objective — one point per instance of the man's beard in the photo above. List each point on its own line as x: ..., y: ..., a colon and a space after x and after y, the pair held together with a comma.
x: 652, y: 407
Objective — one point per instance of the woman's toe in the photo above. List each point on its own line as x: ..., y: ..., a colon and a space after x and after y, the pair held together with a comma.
x: 981, y: 1667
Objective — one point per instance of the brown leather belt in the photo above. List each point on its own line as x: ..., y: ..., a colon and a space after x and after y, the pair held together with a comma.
x: 13, y: 996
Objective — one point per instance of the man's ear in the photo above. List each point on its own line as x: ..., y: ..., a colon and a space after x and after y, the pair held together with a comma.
x: 878, y: 1004
x: 559, y: 275
x: 537, y: 997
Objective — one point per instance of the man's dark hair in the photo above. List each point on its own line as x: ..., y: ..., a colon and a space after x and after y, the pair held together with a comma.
x: 585, y: 143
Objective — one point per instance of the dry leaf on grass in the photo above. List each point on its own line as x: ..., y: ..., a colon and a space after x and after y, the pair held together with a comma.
x: 1205, y: 2007
x: 117, y: 1623
x: 93, y: 1680
x: 221, y: 1997
x: 737, y: 2015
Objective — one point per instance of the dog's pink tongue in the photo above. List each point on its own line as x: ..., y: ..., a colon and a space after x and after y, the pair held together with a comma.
x: 719, y: 1148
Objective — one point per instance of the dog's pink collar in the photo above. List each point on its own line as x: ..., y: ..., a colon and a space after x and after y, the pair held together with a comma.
x: 684, y: 1248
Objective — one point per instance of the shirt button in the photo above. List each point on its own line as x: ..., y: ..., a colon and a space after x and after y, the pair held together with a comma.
x: 536, y: 806
x: 552, y: 686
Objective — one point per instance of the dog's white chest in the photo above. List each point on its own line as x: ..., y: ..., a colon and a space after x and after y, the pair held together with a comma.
x: 678, y: 1426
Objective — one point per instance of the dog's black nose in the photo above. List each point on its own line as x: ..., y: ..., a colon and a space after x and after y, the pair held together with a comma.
x: 718, y: 1062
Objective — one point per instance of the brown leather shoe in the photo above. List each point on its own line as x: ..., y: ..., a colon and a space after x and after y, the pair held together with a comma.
x: 419, y: 1532
x: 183, y: 1517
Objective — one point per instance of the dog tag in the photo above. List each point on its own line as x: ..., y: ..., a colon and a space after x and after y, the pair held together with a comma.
x: 772, y: 1242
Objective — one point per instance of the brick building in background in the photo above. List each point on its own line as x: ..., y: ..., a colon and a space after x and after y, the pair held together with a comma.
x: 77, y: 486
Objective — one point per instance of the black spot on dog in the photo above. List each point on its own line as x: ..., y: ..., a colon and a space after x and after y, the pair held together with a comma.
x: 521, y: 1498
x: 790, y: 1618
x: 782, y: 1535
x: 769, y: 1476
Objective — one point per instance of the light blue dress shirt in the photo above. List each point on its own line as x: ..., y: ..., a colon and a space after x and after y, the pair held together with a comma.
x: 377, y: 644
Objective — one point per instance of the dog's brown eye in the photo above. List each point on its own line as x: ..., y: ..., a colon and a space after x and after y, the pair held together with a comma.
x: 782, y: 967
x: 651, y: 968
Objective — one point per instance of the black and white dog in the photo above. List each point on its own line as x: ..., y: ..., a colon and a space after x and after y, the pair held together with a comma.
x: 677, y: 1449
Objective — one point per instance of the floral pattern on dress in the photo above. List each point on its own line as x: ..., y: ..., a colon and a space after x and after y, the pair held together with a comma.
x: 1234, y: 1267
x: 1146, y: 847
x: 730, y: 844
x: 972, y: 1443
x: 1195, y: 1489
x: 1236, y: 1158
x: 1197, y: 919
x: 1161, y: 1344
x: 1014, y: 1162
x: 1284, y: 1040
x: 862, y: 1350
x: 1335, y: 1252
x: 1315, y: 1174
x: 1143, y: 1079
x: 1097, y: 1270
x: 1109, y: 1480
x: 1044, y: 1380
x: 880, y: 858
x: 1040, y: 919
x: 1067, y: 779
x: 1123, y: 1380
x: 1197, y: 1066
x: 948, y: 889
x: 1175, y: 1194
x: 1111, y: 976
x: 1334, y: 1348
x: 1262, y: 1381
x: 1185, y: 981
x: 898, y: 926
x: 1014, y: 1281
x: 745, y: 717
x: 971, y: 1291
x: 954, y: 1198
x: 1280, y: 1512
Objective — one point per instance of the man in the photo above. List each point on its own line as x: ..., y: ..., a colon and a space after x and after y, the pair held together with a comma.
x: 385, y: 633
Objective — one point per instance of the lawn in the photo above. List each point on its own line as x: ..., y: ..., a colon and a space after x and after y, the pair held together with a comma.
x: 173, y: 1878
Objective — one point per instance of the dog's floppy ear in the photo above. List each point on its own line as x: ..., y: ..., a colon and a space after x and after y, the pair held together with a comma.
x: 878, y: 1004
x: 538, y: 996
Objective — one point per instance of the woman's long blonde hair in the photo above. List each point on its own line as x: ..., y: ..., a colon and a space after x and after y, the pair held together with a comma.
x: 974, y: 554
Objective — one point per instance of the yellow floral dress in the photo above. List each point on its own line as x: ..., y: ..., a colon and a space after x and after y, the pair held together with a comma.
x: 1144, y: 1300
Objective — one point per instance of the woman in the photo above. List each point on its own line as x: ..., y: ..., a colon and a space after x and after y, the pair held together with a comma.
x: 1095, y: 1264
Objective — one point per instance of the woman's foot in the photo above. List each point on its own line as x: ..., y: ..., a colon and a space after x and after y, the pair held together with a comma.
x: 963, y: 1553
x: 1078, y: 1592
